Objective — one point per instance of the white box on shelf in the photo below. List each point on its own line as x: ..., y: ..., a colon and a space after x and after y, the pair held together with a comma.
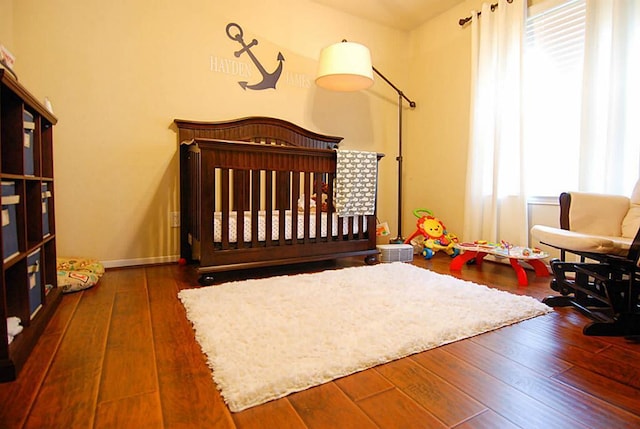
x: 7, y: 57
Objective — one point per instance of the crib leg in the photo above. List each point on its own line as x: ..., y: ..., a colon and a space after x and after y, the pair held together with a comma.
x: 206, y: 279
x: 370, y: 259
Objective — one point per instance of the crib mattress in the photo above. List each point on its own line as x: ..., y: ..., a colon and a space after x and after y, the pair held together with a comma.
x: 336, y: 224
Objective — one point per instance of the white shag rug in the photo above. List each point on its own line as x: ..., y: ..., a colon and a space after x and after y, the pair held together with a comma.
x: 267, y: 338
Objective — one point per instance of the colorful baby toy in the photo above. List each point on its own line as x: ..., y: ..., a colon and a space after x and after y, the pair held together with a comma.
x: 436, y: 236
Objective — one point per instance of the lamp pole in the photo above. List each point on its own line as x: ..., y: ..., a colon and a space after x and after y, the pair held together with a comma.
x: 347, y: 66
x: 399, y: 239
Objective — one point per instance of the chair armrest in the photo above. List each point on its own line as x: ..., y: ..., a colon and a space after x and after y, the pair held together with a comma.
x: 590, y: 213
x: 578, y: 242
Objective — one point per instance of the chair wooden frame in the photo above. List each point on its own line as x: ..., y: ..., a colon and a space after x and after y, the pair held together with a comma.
x: 604, y: 287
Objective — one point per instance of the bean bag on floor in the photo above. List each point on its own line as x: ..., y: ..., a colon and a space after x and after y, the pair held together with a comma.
x: 75, y: 274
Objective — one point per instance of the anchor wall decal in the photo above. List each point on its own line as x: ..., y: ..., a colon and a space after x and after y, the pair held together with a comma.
x: 269, y: 80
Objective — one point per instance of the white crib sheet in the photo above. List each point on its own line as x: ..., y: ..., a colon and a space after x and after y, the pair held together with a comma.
x: 335, y: 224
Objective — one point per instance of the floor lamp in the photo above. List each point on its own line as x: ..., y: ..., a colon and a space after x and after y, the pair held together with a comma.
x: 346, y: 66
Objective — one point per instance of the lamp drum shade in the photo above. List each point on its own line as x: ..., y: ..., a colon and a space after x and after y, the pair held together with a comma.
x: 345, y: 66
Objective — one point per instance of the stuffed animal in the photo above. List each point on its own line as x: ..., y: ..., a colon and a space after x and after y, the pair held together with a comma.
x: 323, y: 202
x: 435, y: 234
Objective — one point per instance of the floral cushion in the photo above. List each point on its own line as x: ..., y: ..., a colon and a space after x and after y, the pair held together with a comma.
x: 75, y: 274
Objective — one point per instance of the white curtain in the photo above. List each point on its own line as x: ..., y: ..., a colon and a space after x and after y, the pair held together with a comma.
x: 495, y: 202
x: 610, y: 132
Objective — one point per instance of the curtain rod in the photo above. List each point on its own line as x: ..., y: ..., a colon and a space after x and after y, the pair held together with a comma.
x: 463, y: 21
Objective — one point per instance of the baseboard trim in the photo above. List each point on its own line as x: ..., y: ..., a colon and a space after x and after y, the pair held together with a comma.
x: 119, y: 263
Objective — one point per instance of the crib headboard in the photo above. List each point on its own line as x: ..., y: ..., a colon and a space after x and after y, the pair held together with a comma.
x: 257, y: 129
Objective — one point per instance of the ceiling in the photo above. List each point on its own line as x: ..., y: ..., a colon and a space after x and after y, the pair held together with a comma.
x: 399, y: 14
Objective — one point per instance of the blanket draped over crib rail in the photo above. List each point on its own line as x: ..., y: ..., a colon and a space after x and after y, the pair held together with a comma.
x: 356, y: 182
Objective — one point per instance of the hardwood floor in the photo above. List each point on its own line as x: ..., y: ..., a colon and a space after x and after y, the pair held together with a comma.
x: 123, y: 355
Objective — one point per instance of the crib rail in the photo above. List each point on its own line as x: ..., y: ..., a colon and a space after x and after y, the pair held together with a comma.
x: 262, y: 182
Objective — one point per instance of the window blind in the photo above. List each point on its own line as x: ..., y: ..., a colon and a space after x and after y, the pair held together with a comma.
x: 559, y: 32
x: 552, y: 93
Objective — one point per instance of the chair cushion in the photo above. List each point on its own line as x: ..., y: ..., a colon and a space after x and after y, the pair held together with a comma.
x: 631, y: 222
x: 598, y: 214
x: 579, y: 242
x: 635, y: 194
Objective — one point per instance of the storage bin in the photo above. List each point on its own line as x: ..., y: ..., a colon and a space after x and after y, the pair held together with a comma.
x: 9, y: 225
x: 35, y: 282
x: 395, y: 252
x: 29, y: 128
x: 46, y: 194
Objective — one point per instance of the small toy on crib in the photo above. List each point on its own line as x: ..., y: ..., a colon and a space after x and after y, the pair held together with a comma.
x: 324, y: 202
x: 436, y: 236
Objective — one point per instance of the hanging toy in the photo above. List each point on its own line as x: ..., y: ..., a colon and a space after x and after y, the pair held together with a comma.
x: 436, y: 236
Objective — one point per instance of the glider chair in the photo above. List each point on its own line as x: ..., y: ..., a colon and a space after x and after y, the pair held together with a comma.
x: 604, y: 280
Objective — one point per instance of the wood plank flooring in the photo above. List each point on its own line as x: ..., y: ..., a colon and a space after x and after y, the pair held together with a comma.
x: 123, y: 355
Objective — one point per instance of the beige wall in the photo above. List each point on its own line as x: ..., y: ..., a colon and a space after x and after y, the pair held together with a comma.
x: 118, y: 73
x: 6, y: 24
x: 438, y: 129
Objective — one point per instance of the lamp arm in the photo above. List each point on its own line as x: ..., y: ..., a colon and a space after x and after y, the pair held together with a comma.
x: 412, y: 104
x: 399, y: 239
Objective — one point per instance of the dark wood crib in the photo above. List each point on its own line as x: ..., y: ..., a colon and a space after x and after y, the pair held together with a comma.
x: 247, y: 189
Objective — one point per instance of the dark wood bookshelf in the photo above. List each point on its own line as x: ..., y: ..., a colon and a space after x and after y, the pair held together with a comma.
x: 28, y: 283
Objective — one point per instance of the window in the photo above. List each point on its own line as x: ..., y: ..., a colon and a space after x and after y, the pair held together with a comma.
x: 552, y: 102
x: 580, y: 97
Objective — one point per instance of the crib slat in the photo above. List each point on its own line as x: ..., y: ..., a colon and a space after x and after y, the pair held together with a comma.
x: 318, y: 191
x: 255, y: 206
x: 340, y: 227
x: 224, y: 185
x: 307, y: 206
x: 282, y: 189
x: 241, y: 188
x: 240, y: 197
x: 295, y: 195
x: 330, y: 206
x: 268, y: 187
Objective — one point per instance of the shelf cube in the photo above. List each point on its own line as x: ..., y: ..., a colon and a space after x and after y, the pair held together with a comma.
x: 46, y: 194
x: 9, y: 225
x: 29, y: 128
x: 35, y: 282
